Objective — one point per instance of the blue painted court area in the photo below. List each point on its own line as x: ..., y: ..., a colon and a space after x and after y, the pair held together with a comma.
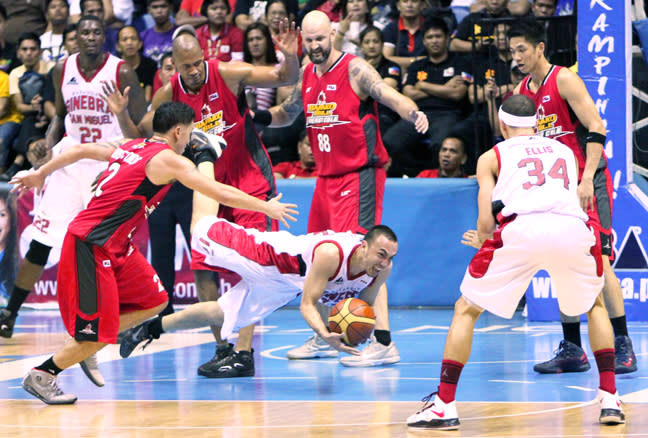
x: 500, y: 368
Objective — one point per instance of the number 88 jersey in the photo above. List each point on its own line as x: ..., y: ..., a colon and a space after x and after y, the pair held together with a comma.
x: 88, y: 117
x: 537, y: 175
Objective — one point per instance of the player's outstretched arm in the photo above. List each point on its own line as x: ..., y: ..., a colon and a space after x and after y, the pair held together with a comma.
x: 119, y: 105
x: 366, y: 81
x: 29, y: 179
x: 167, y: 166
x: 486, y: 173
x: 286, y: 113
x: 325, y: 263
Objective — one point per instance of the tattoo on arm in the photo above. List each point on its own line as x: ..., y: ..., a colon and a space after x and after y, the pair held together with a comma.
x: 111, y: 144
x: 367, y: 79
x: 293, y: 104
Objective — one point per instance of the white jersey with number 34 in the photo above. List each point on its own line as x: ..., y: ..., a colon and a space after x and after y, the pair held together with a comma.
x: 88, y: 117
x: 536, y: 175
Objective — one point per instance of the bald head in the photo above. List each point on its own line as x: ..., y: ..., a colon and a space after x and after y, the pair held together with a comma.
x: 189, y: 61
x: 317, y: 37
x: 316, y: 20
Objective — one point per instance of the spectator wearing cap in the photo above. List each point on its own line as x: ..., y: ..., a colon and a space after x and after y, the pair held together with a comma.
x: 158, y: 40
x: 219, y: 39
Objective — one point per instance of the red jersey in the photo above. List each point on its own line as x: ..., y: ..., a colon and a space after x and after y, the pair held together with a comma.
x: 123, y: 197
x: 230, y: 40
x: 245, y: 164
x: 294, y: 169
x: 342, y: 129
x: 555, y: 118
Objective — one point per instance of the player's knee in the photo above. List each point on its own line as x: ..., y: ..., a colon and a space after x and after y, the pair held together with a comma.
x: 464, y: 306
x: 38, y: 253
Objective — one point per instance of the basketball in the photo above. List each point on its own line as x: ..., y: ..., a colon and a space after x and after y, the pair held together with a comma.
x: 353, y: 318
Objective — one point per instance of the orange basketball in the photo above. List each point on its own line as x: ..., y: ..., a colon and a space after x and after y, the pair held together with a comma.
x: 354, y: 318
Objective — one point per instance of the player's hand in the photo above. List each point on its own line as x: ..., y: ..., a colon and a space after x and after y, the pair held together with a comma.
x: 586, y: 194
x: 286, y: 42
x: 38, y: 153
x: 117, y: 102
x: 25, y: 180
x: 420, y: 121
x: 280, y: 211
x: 471, y: 238
x: 335, y: 341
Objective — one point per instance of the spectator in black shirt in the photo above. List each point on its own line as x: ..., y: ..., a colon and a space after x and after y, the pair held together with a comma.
x: 404, y: 36
x: 247, y: 12
x: 129, y: 46
x: 436, y: 85
x: 371, y: 44
x: 472, y: 27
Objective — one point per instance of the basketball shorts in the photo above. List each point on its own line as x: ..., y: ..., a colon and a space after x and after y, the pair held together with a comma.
x: 351, y: 202
x: 96, y: 286
x: 502, y: 269
x: 66, y: 192
x: 271, y: 276
x: 600, y: 218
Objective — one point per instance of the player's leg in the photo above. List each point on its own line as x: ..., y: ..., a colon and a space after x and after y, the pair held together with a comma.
x: 29, y: 272
x: 441, y: 412
x: 602, y: 344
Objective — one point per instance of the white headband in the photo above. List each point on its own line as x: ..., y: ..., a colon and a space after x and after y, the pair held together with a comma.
x: 516, y: 121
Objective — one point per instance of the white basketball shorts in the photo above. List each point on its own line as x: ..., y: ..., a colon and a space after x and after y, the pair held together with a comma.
x: 502, y: 269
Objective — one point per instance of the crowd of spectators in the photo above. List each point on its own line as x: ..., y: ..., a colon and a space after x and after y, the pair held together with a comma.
x: 450, y: 56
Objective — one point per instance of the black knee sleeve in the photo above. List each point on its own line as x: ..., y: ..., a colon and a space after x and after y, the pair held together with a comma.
x: 38, y: 253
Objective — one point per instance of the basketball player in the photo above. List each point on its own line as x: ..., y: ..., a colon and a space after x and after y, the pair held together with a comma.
x: 214, y: 90
x: 104, y: 283
x: 531, y: 182
x: 567, y: 113
x: 275, y: 267
x: 338, y: 93
x: 84, y: 117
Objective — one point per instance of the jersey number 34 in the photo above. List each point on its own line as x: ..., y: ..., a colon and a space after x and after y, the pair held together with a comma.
x: 536, y: 171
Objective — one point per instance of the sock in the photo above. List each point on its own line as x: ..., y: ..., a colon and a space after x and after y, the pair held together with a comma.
x: 619, y: 325
x: 155, y: 327
x: 571, y: 331
x: 450, y: 372
x: 383, y: 336
x: 16, y: 300
x: 605, y: 361
x: 49, y: 367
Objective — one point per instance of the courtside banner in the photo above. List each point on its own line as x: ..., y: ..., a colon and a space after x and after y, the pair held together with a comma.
x: 605, y: 64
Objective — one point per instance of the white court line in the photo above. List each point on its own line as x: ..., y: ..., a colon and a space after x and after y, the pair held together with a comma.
x: 581, y: 388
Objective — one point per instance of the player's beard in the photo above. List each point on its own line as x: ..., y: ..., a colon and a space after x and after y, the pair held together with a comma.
x: 322, y: 55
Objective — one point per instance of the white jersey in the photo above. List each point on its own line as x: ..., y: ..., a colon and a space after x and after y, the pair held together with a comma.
x: 537, y: 175
x: 342, y: 285
x: 88, y: 118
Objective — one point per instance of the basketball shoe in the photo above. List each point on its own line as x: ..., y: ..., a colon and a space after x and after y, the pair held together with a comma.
x: 236, y: 364
x: 222, y: 351
x: 570, y: 358
x: 611, y: 412
x: 7, y: 321
x: 90, y: 367
x: 314, y: 347
x: 436, y: 415
x: 44, y: 385
x: 133, y: 336
x: 626, y: 362
x: 373, y: 355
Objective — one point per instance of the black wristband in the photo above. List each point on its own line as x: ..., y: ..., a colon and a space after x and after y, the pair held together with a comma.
x: 595, y: 137
x: 262, y: 117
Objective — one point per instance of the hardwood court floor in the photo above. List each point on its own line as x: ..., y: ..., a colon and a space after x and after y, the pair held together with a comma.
x: 156, y: 393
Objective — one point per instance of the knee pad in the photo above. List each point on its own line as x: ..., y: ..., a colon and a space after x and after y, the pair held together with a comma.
x: 38, y: 253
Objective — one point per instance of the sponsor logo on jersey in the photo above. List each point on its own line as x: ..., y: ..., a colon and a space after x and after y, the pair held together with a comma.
x: 546, y: 99
x: 88, y: 330
x: 331, y: 87
x: 106, y: 263
x: 546, y: 124
x: 339, y: 280
x: 72, y: 81
x: 213, y: 97
x: 345, y: 192
x: 213, y: 123
x: 322, y: 114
